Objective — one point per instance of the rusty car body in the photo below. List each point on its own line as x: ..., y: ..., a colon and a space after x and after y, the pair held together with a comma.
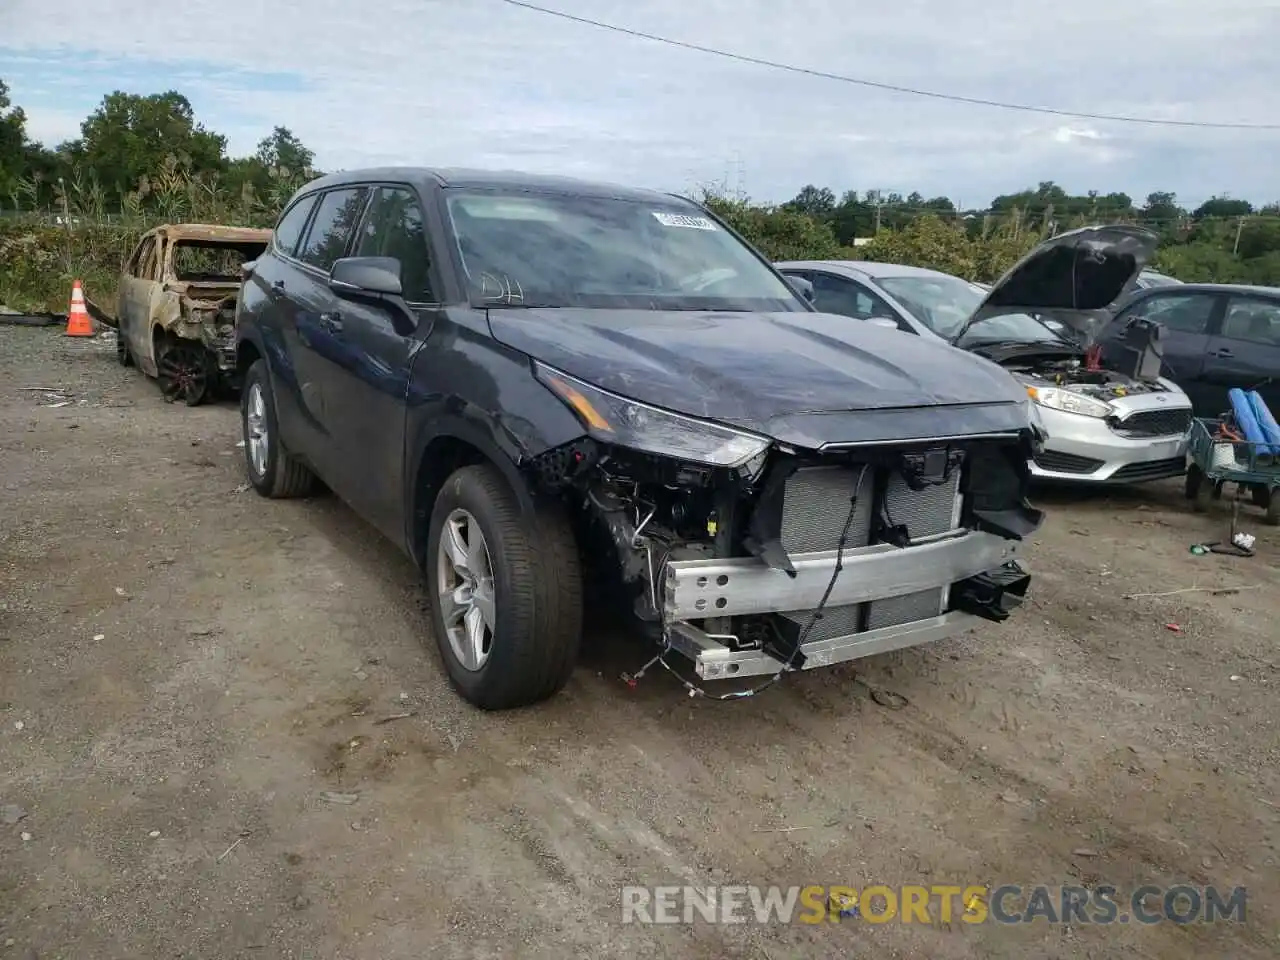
x: 176, y: 306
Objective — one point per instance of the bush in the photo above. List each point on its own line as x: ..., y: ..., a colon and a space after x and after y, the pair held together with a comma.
x: 40, y: 259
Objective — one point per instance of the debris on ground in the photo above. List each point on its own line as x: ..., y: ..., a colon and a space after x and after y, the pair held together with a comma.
x: 11, y: 813
x: 395, y: 716
x: 330, y: 796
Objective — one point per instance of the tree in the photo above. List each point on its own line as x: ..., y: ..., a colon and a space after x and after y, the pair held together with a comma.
x: 282, y: 150
x: 1221, y: 207
x: 812, y: 201
x: 926, y: 241
x: 13, y: 140
x: 129, y: 136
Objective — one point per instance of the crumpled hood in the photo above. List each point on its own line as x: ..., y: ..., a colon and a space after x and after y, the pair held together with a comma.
x: 1073, y: 277
x: 753, y: 368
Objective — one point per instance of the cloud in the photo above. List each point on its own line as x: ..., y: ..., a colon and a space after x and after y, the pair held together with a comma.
x: 1072, y: 134
x: 484, y: 83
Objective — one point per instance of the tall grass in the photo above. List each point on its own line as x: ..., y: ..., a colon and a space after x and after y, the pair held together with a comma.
x: 43, y: 251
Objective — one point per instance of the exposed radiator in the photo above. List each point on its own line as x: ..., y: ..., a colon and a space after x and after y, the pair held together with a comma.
x: 814, y: 509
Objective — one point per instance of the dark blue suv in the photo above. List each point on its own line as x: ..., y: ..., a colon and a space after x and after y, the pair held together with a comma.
x: 527, y: 381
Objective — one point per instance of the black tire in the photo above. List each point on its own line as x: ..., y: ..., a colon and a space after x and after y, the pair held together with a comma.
x: 1198, y: 487
x: 1272, y: 507
x: 537, y: 580
x: 282, y: 476
x: 1261, y: 495
x: 123, y: 355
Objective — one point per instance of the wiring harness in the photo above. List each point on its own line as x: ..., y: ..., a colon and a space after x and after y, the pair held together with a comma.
x: 695, y: 690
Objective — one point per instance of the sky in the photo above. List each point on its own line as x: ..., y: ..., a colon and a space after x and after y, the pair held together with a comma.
x: 482, y: 83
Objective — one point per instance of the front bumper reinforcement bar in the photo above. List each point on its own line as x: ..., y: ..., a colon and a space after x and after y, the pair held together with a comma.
x: 696, y: 589
x: 982, y: 566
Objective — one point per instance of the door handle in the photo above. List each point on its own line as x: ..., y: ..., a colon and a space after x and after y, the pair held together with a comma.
x: 331, y: 322
x: 1222, y: 353
x: 277, y: 288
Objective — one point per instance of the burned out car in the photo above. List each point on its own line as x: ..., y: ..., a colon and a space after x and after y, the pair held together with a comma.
x: 541, y: 388
x: 176, y: 310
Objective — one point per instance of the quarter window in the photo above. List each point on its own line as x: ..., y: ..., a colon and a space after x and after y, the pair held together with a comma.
x: 394, y: 228
x: 331, y: 229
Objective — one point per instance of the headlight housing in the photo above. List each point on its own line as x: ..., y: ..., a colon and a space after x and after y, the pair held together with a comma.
x: 628, y: 423
x: 1055, y: 398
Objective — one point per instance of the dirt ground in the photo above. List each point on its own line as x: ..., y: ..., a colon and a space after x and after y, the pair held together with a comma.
x: 191, y: 676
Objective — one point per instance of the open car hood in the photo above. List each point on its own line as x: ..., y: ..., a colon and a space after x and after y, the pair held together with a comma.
x: 1073, y: 278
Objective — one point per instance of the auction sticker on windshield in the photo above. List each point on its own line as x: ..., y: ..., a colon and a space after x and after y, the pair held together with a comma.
x: 683, y: 220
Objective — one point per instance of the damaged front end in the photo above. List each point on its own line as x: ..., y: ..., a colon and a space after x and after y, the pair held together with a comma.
x: 195, y: 353
x: 210, y: 320
x: 751, y: 557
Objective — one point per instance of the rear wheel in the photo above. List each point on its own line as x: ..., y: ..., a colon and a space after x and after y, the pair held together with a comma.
x: 272, y: 471
x: 506, y: 592
x: 123, y: 356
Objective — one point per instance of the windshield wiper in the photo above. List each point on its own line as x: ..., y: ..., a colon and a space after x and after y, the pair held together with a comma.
x: 1029, y: 344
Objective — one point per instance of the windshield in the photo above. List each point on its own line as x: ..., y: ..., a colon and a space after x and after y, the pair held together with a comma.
x: 944, y: 304
x: 203, y: 261
x: 554, y: 250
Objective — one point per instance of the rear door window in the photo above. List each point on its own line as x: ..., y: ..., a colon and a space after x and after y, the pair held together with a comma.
x: 837, y: 295
x: 331, y: 229
x: 1183, y: 312
x: 1252, y: 320
x: 289, y: 229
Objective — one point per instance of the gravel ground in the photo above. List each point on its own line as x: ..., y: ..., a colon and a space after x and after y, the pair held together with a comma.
x: 192, y: 679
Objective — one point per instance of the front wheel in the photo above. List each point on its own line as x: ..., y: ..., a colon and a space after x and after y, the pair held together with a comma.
x: 184, y: 372
x: 506, y: 592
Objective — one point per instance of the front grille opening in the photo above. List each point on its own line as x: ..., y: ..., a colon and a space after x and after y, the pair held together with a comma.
x: 1066, y: 462
x: 1152, y: 470
x: 815, y: 505
x: 1154, y: 423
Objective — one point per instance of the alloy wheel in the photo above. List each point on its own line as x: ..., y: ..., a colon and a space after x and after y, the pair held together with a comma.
x: 465, y: 589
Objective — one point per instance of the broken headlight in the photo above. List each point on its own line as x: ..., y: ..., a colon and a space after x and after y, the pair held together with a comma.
x: 1038, y: 432
x: 628, y: 423
x: 1055, y: 398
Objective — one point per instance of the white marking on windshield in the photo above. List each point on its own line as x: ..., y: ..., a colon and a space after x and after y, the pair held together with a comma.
x: 683, y: 220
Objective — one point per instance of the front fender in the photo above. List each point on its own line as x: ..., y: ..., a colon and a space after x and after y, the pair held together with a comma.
x: 477, y: 398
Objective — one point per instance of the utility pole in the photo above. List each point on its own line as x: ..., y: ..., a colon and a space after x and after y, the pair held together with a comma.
x: 66, y: 219
x: 1235, y: 250
x: 879, y: 201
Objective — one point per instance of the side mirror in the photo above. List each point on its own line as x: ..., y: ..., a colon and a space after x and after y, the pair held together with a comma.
x: 371, y: 277
x: 374, y: 279
x: 801, y: 286
x: 887, y: 322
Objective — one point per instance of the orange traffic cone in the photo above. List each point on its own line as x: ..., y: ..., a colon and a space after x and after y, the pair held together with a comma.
x: 79, y: 323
